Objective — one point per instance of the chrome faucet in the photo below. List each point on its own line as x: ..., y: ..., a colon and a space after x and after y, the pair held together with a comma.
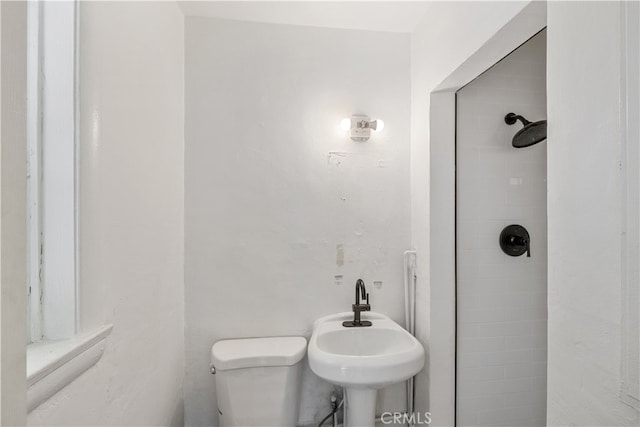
x: 358, y: 307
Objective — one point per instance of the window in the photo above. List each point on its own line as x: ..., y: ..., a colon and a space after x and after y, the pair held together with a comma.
x: 51, y: 181
x: 57, y: 352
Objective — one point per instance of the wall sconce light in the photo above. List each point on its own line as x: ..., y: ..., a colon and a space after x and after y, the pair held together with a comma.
x: 360, y: 127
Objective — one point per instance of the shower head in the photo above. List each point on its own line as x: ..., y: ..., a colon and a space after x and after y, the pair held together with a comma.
x: 530, y: 134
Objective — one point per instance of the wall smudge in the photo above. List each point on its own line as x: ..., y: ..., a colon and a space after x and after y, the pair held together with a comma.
x: 339, y: 255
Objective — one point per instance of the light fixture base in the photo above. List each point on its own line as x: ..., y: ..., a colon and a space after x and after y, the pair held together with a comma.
x: 360, y: 130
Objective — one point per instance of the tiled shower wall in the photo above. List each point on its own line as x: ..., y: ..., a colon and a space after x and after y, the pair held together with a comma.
x: 501, y: 300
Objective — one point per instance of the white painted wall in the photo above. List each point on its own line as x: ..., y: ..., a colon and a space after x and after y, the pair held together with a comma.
x: 449, y: 35
x: 501, y: 300
x: 585, y: 218
x: 630, y: 141
x: 274, y: 192
x: 13, y: 155
x: 131, y: 216
x: 2, y: 333
x: 391, y: 16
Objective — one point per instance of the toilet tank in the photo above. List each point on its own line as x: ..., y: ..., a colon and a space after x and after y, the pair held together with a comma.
x: 258, y: 380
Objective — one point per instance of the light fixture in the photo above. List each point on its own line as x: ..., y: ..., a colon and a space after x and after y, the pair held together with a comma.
x: 360, y: 127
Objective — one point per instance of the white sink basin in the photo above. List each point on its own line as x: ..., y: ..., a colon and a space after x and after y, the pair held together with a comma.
x: 363, y: 359
x: 373, y: 356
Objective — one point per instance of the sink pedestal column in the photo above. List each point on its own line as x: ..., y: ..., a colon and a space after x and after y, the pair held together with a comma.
x: 360, y: 407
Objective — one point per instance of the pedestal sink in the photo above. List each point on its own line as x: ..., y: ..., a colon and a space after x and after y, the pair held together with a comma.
x: 363, y: 360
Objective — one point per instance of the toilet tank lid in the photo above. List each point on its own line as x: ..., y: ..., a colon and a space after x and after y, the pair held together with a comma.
x: 255, y: 352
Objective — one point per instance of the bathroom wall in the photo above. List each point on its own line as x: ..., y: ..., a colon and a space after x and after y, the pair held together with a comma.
x: 278, y: 201
x: 6, y: 405
x: 131, y: 230
x: 465, y: 26
x: 585, y: 170
x: 13, y: 202
x: 501, y: 300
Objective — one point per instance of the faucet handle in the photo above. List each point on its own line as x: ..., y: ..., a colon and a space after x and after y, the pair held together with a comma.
x: 367, y: 298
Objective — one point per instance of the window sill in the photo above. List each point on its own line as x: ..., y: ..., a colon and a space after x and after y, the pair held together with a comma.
x: 52, y: 365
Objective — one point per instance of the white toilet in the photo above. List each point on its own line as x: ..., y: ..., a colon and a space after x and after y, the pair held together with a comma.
x: 258, y: 380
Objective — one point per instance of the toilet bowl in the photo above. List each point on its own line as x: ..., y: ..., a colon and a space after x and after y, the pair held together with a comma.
x: 258, y: 380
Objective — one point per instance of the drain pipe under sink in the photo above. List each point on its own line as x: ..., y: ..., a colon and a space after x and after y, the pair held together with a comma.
x: 409, y: 261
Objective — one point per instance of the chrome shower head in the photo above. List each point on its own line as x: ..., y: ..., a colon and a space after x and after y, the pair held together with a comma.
x: 530, y: 134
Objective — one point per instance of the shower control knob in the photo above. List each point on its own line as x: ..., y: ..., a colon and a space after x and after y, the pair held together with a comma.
x: 515, y: 240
